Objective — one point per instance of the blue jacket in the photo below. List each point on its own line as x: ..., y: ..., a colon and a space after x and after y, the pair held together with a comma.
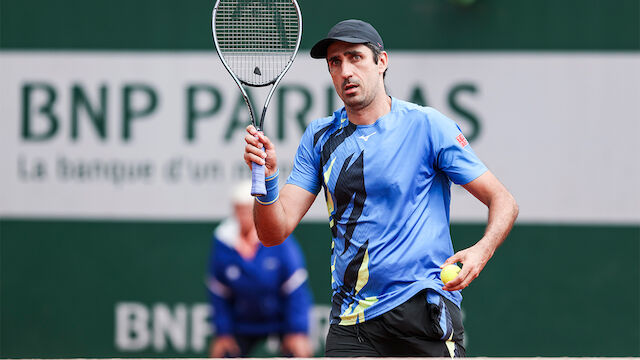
x: 267, y: 294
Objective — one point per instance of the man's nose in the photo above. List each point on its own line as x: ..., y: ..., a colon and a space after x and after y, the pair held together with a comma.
x: 346, y: 70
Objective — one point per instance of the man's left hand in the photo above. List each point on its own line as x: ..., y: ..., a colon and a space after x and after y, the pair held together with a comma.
x: 473, y: 259
x: 297, y: 345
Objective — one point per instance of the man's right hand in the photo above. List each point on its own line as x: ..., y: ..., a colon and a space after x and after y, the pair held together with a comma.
x: 254, y: 152
x: 224, y: 346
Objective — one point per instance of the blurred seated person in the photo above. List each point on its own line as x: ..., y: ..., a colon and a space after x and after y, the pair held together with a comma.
x: 256, y: 291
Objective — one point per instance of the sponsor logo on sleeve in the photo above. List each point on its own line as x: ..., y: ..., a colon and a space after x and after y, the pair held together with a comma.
x: 462, y: 140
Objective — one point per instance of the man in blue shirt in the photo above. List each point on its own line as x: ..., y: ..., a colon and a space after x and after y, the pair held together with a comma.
x: 256, y: 291
x: 386, y: 167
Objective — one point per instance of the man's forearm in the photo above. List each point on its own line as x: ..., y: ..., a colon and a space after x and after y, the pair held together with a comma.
x: 276, y: 221
x: 503, y: 211
x: 270, y: 223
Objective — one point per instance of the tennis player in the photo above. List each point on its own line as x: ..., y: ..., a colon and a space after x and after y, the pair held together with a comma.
x: 386, y: 167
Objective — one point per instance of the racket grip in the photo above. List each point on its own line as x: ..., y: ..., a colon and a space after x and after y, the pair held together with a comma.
x: 258, y: 187
x: 257, y: 180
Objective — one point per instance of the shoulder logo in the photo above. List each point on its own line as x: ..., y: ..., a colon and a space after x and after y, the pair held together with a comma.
x: 462, y: 140
x: 365, y: 138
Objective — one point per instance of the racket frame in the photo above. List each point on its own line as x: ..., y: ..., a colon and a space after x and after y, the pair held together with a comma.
x: 273, y: 82
x: 257, y: 170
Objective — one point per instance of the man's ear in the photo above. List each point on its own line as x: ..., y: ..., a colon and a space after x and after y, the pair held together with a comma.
x: 383, y: 62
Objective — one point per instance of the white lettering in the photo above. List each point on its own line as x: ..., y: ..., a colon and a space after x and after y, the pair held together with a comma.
x: 132, y: 332
x: 165, y: 328
x: 170, y: 326
x: 200, y: 326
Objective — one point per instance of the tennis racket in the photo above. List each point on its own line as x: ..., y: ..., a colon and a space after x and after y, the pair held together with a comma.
x: 257, y: 41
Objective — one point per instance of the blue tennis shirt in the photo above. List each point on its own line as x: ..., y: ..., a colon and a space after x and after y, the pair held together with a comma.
x: 387, y: 188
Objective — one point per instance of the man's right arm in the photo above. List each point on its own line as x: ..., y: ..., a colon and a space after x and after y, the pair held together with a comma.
x: 276, y: 221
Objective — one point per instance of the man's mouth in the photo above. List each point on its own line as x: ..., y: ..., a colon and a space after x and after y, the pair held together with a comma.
x: 350, y: 88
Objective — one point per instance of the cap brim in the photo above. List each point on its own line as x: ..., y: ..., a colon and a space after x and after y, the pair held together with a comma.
x: 319, y: 50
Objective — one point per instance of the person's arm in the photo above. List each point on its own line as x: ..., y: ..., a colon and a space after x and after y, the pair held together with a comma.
x: 294, y: 288
x: 297, y: 302
x: 220, y: 296
x: 276, y: 221
x: 503, y: 211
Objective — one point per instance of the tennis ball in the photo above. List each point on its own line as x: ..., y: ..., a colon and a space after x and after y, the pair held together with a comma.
x: 449, y: 273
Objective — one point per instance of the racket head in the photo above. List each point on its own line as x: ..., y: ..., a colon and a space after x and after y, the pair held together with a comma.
x: 257, y: 40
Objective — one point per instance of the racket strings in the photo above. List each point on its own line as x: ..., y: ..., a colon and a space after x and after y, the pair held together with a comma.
x: 257, y: 38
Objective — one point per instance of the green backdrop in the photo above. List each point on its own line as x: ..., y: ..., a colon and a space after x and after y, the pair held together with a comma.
x: 426, y: 24
x: 548, y: 291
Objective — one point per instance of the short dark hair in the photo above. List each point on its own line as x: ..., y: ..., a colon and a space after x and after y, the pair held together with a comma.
x: 376, y: 54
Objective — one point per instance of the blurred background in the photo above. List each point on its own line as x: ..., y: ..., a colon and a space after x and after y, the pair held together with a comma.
x: 121, y: 135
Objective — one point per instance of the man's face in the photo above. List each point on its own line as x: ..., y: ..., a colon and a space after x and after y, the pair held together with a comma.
x: 244, y: 215
x: 356, y: 76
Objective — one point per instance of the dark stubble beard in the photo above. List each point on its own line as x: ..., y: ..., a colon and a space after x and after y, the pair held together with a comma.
x: 352, y: 103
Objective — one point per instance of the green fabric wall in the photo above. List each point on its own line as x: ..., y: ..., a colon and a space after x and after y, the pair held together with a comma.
x: 549, y: 290
x: 601, y: 25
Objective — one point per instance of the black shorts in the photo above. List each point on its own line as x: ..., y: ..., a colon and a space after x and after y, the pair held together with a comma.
x: 416, y: 328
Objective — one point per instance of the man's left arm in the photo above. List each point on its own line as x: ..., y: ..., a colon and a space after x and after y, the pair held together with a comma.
x: 503, y: 211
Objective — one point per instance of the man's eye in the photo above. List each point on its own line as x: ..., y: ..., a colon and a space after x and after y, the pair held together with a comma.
x: 357, y: 57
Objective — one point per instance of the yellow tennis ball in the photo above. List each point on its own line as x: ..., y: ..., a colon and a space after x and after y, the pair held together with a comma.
x: 449, y: 273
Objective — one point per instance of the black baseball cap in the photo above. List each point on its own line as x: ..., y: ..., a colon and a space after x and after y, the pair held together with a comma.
x: 351, y: 31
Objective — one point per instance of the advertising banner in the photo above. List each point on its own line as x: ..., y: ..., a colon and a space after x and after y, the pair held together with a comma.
x: 160, y: 135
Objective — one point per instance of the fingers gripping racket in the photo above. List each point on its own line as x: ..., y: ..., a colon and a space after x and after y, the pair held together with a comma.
x: 257, y: 41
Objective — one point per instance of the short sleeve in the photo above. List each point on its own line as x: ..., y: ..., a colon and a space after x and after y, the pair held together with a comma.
x: 306, y: 165
x: 454, y: 156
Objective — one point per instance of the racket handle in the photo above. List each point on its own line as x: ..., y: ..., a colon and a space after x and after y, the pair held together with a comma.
x: 257, y: 180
